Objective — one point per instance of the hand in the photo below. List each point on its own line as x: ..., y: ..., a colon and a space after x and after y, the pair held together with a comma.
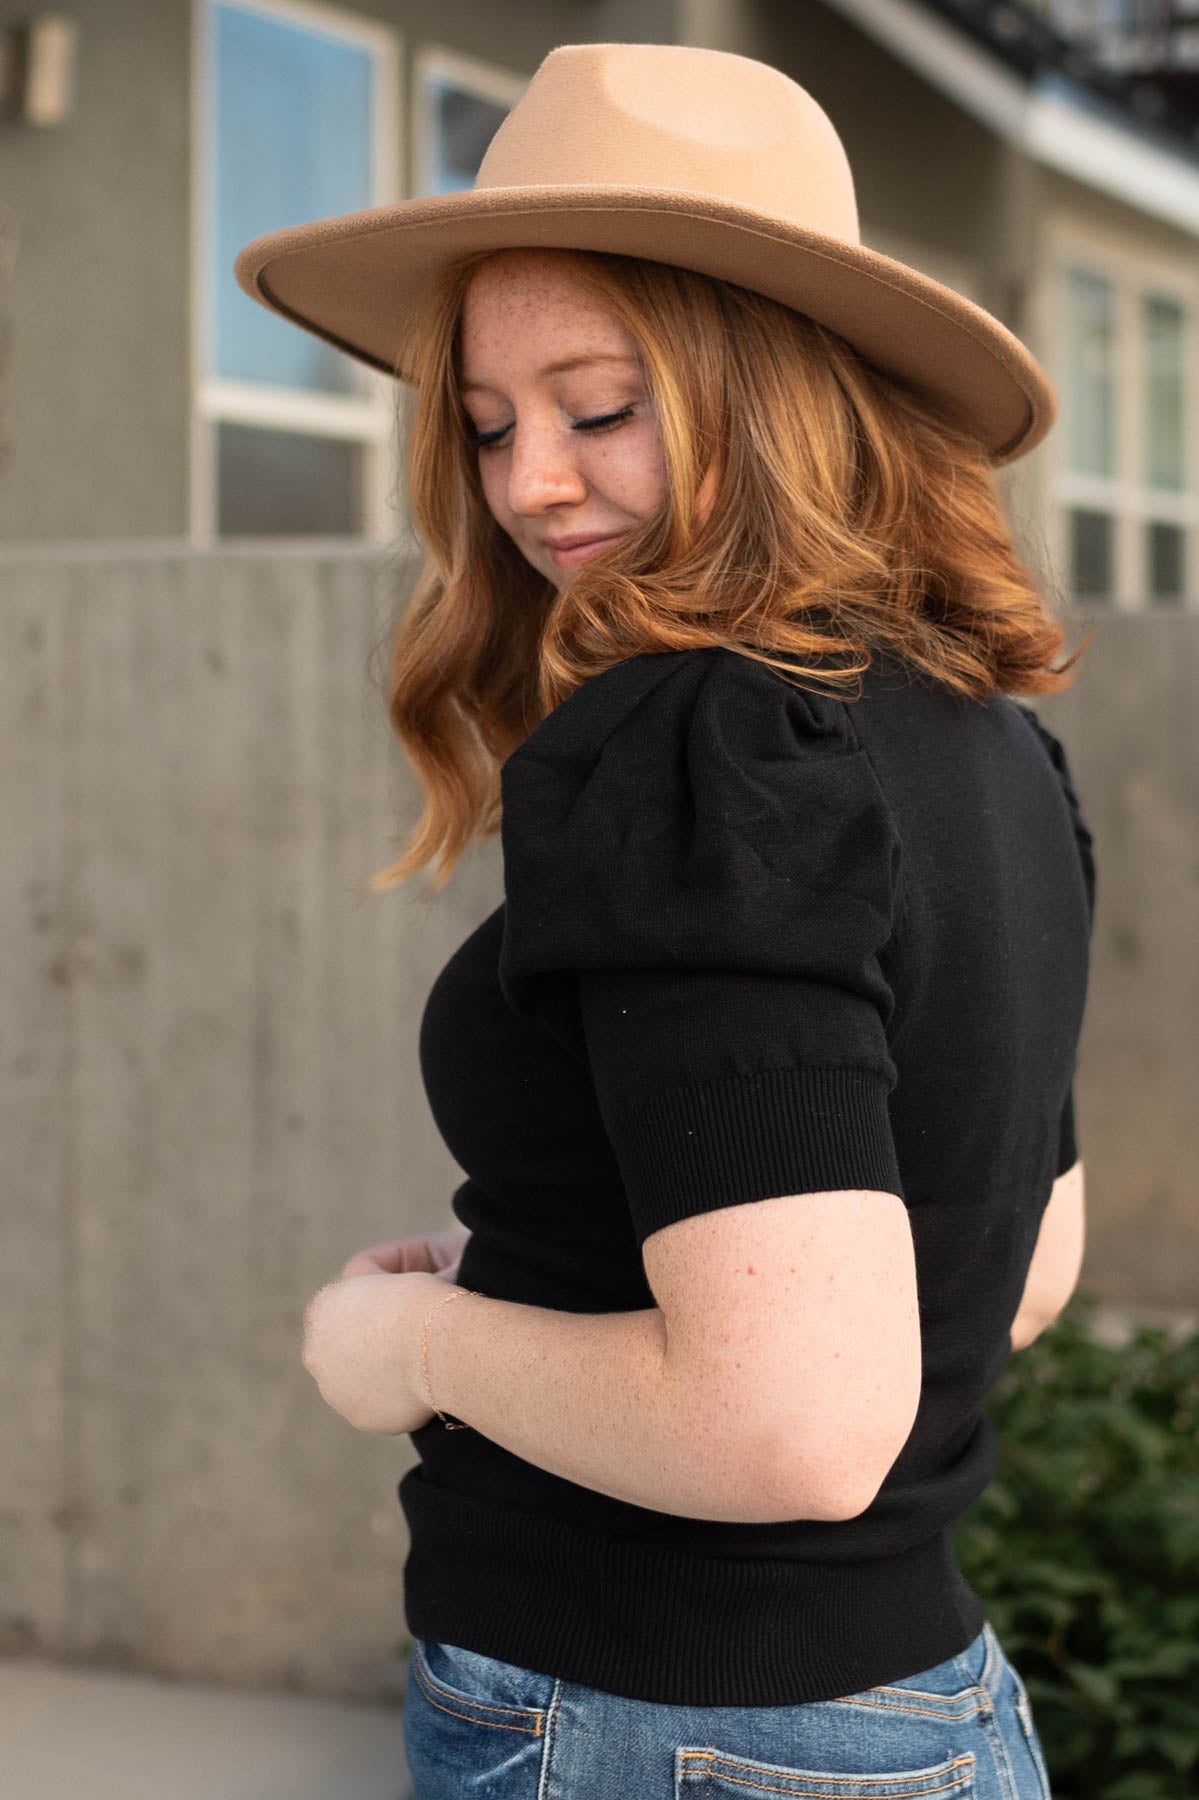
x: 439, y: 1252
x: 362, y: 1338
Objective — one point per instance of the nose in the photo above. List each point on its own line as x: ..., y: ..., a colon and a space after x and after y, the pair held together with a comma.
x: 542, y: 471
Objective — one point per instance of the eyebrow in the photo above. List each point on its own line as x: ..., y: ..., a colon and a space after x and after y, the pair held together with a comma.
x: 555, y: 368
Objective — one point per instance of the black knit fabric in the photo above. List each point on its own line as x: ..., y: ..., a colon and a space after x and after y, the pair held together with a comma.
x: 756, y: 940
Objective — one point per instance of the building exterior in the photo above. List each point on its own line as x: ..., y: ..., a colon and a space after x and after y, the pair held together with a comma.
x: 211, y: 1088
x: 144, y: 396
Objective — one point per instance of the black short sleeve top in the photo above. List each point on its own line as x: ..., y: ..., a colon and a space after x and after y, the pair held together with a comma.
x: 756, y: 939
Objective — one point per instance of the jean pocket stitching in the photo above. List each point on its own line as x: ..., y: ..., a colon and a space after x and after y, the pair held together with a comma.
x: 850, y: 1787
x: 527, y: 1719
x: 939, y: 1706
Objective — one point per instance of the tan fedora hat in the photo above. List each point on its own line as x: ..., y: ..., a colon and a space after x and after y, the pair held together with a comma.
x: 701, y: 158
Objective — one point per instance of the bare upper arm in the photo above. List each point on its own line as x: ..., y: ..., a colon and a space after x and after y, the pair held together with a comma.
x: 1057, y: 1258
x: 794, y: 1320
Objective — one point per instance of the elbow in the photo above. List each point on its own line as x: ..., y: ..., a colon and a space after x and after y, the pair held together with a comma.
x: 852, y: 1505
x: 820, y: 1503
x: 829, y: 1459
x: 843, y: 1484
x: 842, y: 1477
x: 854, y: 1497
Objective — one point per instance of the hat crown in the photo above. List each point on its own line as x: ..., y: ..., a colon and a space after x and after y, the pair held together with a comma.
x: 678, y: 117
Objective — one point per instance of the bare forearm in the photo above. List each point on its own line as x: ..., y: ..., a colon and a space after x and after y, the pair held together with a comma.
x: 1027, y: 1327
x: 593, y: 1397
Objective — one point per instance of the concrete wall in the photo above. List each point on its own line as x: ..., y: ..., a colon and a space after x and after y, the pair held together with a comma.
x: 210, y: 1098
x: 210, y: 1091
x: 1129, y: 731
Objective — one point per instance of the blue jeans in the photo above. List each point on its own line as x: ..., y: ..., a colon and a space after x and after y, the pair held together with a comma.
x: 960, y: 1731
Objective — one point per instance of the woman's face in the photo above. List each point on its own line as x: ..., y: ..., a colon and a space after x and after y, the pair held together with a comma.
x: 554, y: 382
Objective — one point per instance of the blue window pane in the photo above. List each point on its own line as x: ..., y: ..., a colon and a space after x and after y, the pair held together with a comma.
x: 463, y: 126
x: 291, y: 133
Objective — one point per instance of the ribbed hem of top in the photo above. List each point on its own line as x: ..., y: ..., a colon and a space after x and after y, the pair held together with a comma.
x: 651, y: 1623
x: 782, y: 1131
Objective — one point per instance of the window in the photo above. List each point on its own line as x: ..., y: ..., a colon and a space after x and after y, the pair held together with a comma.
x: 1091, y: 371
x: 1129, y: 503
x: 1163, y: 350
x: 295, y: 121
x: 460, y: 104
x: 1090, y: 425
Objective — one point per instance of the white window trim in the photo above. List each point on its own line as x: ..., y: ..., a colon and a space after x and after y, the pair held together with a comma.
x: 368, y: 419
x: 1134, y: 270
x: 483, y: 79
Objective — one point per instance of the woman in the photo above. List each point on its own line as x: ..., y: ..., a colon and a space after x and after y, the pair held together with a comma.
x: 762, y: 1072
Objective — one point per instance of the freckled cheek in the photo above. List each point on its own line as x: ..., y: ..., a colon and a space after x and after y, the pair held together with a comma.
x: 495, y: 492
x: 632, y: 473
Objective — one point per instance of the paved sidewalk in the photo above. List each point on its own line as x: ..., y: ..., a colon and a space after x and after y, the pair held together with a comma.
x: 79, y: 1734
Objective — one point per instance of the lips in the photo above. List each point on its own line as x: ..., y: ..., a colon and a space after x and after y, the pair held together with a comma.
x: 576, y: 543
x: 568, y: 553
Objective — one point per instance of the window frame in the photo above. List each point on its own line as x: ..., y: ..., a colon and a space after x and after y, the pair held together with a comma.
x: 1135, y: 271
x: 367, y: 419
x: 484, y: 80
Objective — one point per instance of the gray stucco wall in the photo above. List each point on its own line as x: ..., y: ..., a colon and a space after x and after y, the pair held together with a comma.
x: 94, y: 386
x: 94, y: 389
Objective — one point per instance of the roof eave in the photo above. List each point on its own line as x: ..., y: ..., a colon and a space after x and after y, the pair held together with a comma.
x: 1054, y: 122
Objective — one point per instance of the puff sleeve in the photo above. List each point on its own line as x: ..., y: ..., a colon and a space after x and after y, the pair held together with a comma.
x: 1067, y: 1154
x: 702, y: 879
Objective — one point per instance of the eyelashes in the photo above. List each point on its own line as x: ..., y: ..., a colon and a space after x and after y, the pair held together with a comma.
x: 604, y: 422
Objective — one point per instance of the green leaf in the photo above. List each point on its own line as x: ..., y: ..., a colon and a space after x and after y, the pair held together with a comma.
x: 1097, y: 1684
x: 1085, y: 1553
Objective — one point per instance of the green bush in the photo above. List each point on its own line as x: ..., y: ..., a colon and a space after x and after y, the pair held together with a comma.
x: 1085, y: 1552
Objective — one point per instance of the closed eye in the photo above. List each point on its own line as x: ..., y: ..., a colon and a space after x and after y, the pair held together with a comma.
x: 604, y: 422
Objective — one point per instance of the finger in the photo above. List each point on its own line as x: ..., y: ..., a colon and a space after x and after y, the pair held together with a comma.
x: 388, y: 1255
x: 363, y: 1262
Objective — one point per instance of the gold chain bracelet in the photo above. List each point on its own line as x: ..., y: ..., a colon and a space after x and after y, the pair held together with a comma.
x: 455, y: 1294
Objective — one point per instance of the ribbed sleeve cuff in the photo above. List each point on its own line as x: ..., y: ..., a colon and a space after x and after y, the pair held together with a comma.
x: 782, y: 1131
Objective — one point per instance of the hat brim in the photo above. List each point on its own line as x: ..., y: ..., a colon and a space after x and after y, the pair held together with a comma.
x: 354, y: 279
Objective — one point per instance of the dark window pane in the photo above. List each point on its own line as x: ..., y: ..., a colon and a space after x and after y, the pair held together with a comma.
x: 1165, y: 551
x: 463, y: 124
x: 1091, y: 554
x: 283, y: 484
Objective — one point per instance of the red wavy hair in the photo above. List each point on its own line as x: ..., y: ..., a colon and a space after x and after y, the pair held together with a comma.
x: 848, y: 516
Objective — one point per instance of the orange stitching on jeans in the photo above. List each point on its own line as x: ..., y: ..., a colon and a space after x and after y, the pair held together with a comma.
x: 428, y: 1682
x: 947, y: 1711
x: 796, y: 1793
